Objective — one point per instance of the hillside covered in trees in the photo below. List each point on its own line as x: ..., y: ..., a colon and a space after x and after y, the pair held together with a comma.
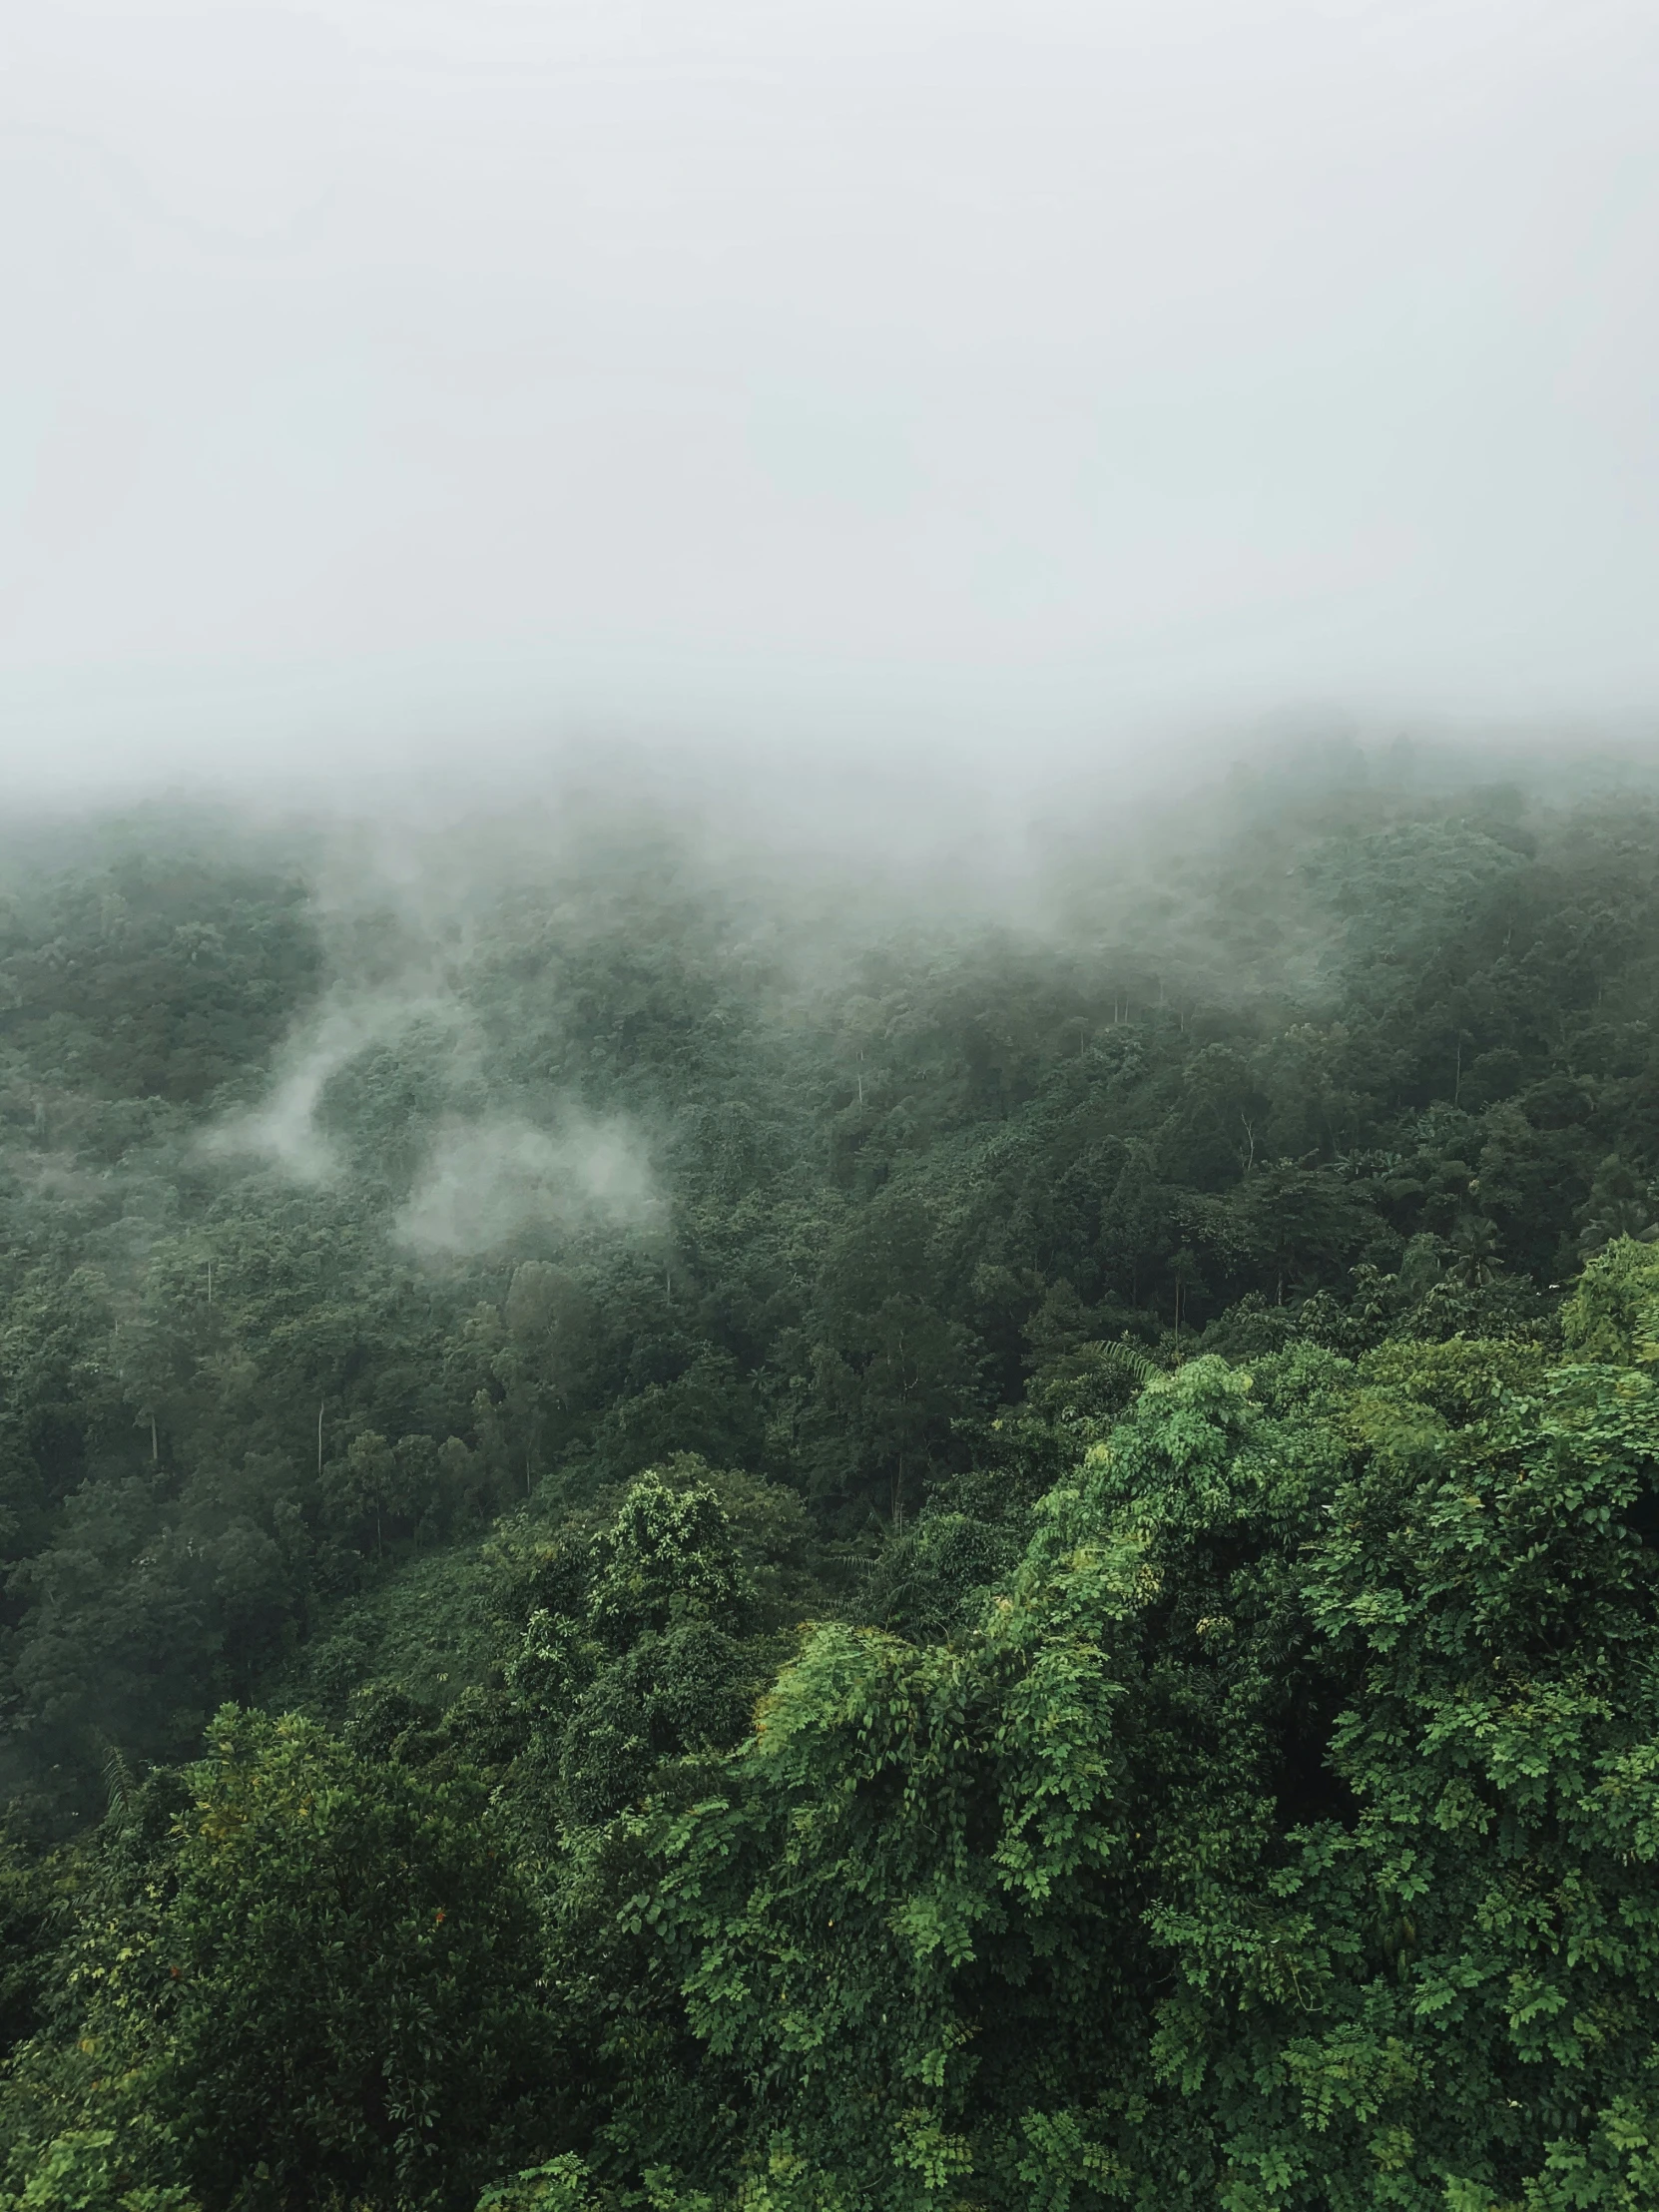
x: 682, y: 1533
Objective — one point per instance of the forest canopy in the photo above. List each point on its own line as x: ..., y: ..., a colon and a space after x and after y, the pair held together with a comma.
x: 686, y: 1535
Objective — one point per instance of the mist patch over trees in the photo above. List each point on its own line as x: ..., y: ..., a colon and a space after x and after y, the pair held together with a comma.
x: 714, y: 1533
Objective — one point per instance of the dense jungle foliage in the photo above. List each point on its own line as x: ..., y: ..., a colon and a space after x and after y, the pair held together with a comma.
x: 681, y: 1539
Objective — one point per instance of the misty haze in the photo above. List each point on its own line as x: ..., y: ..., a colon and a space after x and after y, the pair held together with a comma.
x: 829, y: 1108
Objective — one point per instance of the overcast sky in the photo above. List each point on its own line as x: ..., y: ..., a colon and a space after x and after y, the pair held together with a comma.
x: 386, y: 373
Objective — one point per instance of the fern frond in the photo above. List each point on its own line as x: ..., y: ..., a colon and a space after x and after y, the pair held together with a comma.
x: 1131, y: 1361
x: 120, y: 1783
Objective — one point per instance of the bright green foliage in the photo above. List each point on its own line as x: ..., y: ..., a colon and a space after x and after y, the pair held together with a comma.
x: 1483, y: 1592
x: 1613, y: 1314
x: 667, y: 1557
x: 1282, y: 1837
x: 560, y: 2185
x: 87, y: 2169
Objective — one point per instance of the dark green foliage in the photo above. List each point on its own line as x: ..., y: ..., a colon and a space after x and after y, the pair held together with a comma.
x: 1061, y: 1614
x: 321, y: 1972
x: 155, y: 979
x: 926, y: 1580
x: 34, y: 1891
x: 688, y: 1690
x: 1379, y: 1067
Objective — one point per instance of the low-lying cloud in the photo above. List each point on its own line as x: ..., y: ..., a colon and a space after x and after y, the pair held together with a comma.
x: 489, y: 1181
x: 284, y: 1132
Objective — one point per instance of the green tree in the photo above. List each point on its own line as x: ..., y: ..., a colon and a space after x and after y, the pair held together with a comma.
x: 327, y: 1975
x: 1280, y: 1837
x: 667, y: 1557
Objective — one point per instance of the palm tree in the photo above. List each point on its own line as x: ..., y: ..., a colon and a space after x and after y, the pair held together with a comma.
x: 1619, y: 1206
x: 1475, y: 1258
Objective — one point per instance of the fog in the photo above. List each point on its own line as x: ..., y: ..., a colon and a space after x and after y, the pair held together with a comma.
x: 481, y: 1176
x: 396, y: 392
x: 282, y: 1130
x: 487, y: 1182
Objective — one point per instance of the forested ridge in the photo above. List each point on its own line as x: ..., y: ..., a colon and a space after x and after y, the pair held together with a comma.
x: 681, y: 1536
